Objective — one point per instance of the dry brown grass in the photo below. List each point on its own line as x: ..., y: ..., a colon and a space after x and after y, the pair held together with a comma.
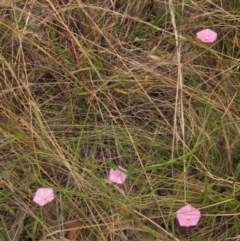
x: 89, y: 85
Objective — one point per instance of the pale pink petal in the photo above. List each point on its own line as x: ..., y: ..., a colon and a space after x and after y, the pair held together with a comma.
x: 188, y: 216
x: 39, y: 200
x: 43, y: 196
x: 117, y: 176
x: 207, y: 35
x: 122, y: 174
x: 112, y: 175
x: 50, y: 197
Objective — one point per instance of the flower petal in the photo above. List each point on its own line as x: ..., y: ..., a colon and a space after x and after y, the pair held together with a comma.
x: 117, y: 176
x: 207, y: 35
x: 43, y: 196
x: 188, y: 216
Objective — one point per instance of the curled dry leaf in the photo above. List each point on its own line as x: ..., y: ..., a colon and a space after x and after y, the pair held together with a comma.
x: 74, y: 228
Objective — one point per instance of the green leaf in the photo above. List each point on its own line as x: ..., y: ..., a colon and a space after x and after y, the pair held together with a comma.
x: 4, y: 235
x: 8, y: 209
x: 236, y: 175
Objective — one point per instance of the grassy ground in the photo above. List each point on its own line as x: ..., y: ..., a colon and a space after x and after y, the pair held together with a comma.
x: 90, y: 85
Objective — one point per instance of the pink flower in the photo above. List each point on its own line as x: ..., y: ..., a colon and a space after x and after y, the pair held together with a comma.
x: 207, y: 35
x: 43, y: 196
x: 188, y: 216
x: 118, y: 176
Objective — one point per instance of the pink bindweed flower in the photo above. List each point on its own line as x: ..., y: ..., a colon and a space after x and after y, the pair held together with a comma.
x: 43, y: 196
x: 188, y: 216
x: 118, y: 176
x: 207, y: 35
